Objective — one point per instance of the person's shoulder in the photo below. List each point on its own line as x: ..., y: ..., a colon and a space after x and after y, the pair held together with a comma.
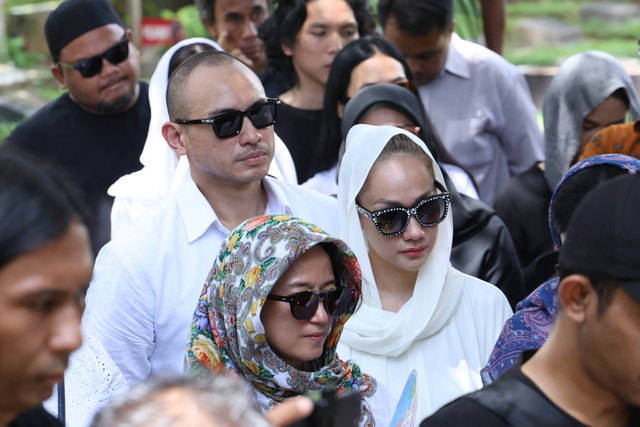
x: 477, y: 290
x: 463, y: 411
x: 30, y: 131
x: 312, y: 206
x: 483, y: 59
x: 148, y: 230
x: 144, y: 93
x: 297, y: 193
x: 529, y: 182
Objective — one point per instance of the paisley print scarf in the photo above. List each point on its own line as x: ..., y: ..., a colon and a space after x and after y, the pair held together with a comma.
x: 227, y: 333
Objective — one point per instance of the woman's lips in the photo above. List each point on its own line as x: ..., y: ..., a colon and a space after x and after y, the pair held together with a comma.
x: 414, y: 252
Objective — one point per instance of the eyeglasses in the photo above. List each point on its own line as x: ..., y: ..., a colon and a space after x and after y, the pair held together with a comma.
x: 92, y: 66
x: 336, y: 302
x: 229, y: 124
x: 393, y: 221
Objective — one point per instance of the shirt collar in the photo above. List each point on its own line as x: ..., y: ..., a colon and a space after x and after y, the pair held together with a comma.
x: 277, y: 201
x: 455, y: 63
x: 198, y: 215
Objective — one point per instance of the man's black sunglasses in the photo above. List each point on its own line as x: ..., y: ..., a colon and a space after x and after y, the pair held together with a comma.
x: 393, y: 221
x: 336, y: 302
x: 229, y: 124
x: 92, y: 66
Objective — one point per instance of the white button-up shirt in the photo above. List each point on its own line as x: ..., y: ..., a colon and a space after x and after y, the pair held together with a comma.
x: 482, y: 109
x: 147, y: 282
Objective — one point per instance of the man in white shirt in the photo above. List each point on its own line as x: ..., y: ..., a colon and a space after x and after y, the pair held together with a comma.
x: 479, y: 103
x: 148, y: 280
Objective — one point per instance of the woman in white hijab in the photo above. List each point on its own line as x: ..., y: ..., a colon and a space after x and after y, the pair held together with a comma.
x: 418, y: 312
x: 163, y: 171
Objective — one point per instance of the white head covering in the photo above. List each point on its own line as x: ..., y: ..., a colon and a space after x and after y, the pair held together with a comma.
x: 163, y: 171
x: 436, y: 293
x: 139, y: 190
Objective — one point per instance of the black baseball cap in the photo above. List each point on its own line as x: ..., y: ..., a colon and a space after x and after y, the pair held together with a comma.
x: 603, y: 238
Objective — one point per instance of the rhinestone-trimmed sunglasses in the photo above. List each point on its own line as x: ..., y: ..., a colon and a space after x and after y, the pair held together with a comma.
x: 393, y: 221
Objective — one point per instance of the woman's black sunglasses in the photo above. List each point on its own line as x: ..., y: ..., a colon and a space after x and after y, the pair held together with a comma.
x: 229, y: 124
x: 393, y: 221
x: 92, y: 66
x: 336, y: 302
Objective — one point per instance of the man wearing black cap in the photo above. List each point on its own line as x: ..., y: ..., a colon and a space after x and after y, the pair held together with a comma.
x: 96, y: 130
x: 588, y: 371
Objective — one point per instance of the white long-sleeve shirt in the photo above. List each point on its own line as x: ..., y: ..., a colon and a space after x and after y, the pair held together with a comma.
x: 147, y: 281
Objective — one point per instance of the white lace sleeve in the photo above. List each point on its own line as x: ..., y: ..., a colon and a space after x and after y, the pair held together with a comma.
x: 91, y: 380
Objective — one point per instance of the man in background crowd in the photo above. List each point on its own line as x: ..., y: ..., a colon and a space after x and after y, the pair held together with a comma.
x: 479, y: 103
x: 588, y: 370
x: 96, y: 130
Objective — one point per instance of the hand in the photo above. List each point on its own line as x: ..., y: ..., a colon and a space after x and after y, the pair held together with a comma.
x: 223, y: 41
x: 290, y: 411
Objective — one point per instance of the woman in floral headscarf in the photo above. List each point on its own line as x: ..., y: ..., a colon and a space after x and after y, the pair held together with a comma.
x: 529, y: 327
x: 272, y: 310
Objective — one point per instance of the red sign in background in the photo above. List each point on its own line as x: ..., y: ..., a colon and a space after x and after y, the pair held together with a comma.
x: 160, y: 32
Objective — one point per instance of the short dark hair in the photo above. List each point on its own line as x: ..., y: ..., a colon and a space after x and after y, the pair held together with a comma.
x: 176, y: 91
x: 622, y: 95
x: 37, y: 204
x: 283, y: 26
x: 336, y: 89
x: 604, y: 287
x: 575, y: 188
x: 417, y: 17
x: 206, y: 9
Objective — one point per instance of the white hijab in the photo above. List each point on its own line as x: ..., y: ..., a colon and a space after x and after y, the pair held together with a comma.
x: 437, y: 292
x: 163, y: 171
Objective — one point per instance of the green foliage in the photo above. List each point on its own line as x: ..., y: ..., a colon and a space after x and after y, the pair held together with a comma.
x: 190, y: 20
x: 11, y: 3
x: 15, y: 53
x: 563, y: 10
x: 5, y: 129
x: 618, y: 40
x: 627, y: 30
x: 553, y: 55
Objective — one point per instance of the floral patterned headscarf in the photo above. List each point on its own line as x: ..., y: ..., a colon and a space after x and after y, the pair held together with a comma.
x: 227, y: 333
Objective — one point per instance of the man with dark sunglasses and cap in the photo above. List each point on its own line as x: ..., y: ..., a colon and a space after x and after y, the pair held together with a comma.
x: 96, y: 130
x: 148, y: 279
x: 588, y: 371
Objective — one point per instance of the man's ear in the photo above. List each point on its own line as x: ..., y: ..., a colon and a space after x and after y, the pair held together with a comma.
x: 132, y: 45
x: 452, y: 27
x: 210, y: 25
x: 56, y: 71
x: 288, y: 50
x: 171, y: 133
x: 576, y: 296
